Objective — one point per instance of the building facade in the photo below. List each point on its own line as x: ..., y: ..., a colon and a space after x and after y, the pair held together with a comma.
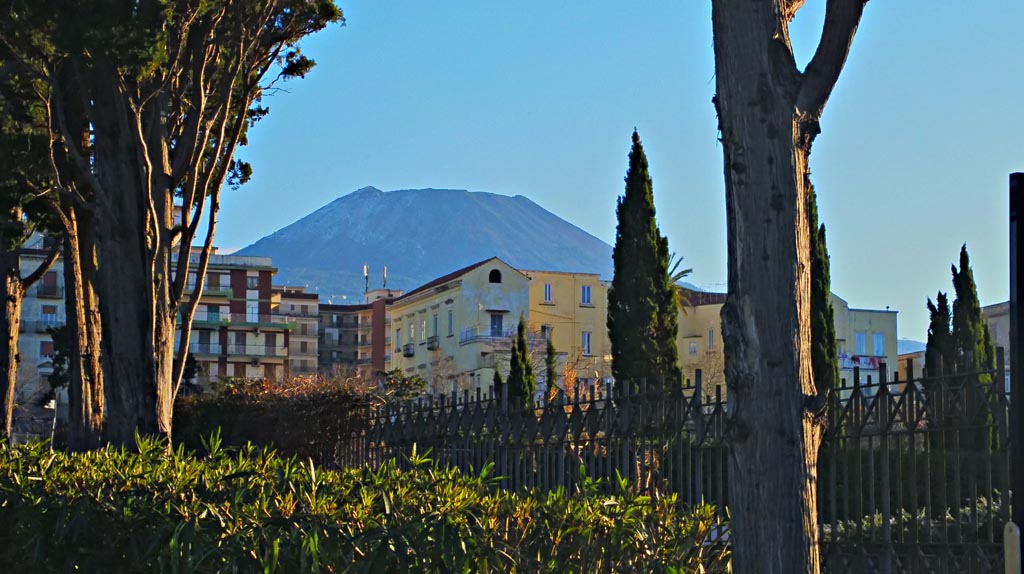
x: 238, y: 330
x: 456, y: 330
x: 42, y: 310
x: 303, y: 310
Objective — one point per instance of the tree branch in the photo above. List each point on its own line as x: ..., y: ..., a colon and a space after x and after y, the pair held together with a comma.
x: 841, y: 20
x: 45, y: 266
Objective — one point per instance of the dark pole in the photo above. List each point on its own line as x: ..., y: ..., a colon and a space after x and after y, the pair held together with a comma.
x: 1016, y: 364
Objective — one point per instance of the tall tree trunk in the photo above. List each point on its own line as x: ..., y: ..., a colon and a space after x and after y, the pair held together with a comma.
x: 13, y: 293
x: 768, y: 115
x: 85, y: 374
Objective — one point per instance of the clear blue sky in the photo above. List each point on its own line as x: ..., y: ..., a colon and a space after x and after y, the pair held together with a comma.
x: 540, y: 98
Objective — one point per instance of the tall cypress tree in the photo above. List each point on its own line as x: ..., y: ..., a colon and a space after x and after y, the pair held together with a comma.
x: 522, y: 382
x: 550, y: 364
x: 824, y: 355
x: 971, y: 338
x: 642, y: 302
x: 939, y: 351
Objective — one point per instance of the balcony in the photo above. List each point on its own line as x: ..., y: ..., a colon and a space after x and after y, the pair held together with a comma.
x: 204, y: 348
x: 495, y: 339
x: 364, y: 361
x: 210, y: 290
x: 409, y: 350
x: 279, y: 321
x: 49, y: 291
x: 257, y: 351
x: 432, y: 342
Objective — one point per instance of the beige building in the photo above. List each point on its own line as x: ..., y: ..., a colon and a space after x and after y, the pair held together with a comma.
x: 456, y: 330
x: 302, y: 309
x: 997, y: 317
x: 572, y: 308
x: 865, y: 338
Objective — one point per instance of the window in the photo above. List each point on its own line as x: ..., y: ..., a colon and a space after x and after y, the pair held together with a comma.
x: 585, y: 343
x: 48, y: 315
x: 711, y: 340
x: 547, y: 292
x: 862, y: 342
x: 423, y: 330
x: 435, y: 324
x: 398, y: 337
x: 878, y: 347
x: 693, y: 349
x: 46, y: 349
x: 213, y: 313
x: 495, y: 276
x: 545, y: 331
x: 252, y: 282
x: 585, y: 295
x: 303, y: 347
x: 305, y: 309
x: 497, y: 329
x: 412, y: 333
x: 252, y: 311
x: 451, y: 322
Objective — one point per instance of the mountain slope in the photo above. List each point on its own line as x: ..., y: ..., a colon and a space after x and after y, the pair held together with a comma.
x: 421, y: 234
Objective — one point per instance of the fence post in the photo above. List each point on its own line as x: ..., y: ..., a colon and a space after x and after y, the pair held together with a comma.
x: 882, y: 402
x: 1016, y: 389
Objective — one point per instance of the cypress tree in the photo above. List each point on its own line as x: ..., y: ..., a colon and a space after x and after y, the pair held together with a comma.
x: 550, y: 364
x: 971, y: 338
x: 522, y: 383
x: 939, y: 351
x: 643, y: 303
x: 498, y: 384
x: 824, y: 355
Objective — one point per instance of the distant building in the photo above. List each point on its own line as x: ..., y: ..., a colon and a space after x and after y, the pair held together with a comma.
x: 238, y: 330
x: 456, y: 330
x: 572, y: 308
x: 866, y: 338
x: 42, y: 309
x: 997, y: 317
x: 346, y: 340
x: 699, y: 339
x: 302, y: 309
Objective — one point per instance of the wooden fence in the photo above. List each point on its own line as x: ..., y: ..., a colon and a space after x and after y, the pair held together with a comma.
x: 913, y: 475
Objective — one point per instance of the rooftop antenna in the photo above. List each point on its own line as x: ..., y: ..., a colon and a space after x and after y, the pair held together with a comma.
x: 366, y: 276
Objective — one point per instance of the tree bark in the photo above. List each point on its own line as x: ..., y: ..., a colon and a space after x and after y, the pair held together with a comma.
x: 13, y: 292
x: 86, y: 399
x: 768, y: 116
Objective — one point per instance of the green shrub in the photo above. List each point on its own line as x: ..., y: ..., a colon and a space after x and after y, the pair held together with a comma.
x: 250, y: 510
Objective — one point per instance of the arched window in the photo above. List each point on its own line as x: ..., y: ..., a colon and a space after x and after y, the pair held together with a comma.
x: 495, y: 276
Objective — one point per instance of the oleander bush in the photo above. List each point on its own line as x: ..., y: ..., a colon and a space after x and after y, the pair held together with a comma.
x: 250, y: 510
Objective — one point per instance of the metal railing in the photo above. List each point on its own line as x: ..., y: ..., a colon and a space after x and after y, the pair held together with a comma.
x: 409, y: 350
x: 204, y: 348
x: 49, y: 291
x: 257, y: 350
x: 432, y: 342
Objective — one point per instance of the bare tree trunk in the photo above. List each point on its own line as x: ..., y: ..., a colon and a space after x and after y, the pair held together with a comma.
x: 85, y: 374
x: 768, y: 112
x: 12, y: 292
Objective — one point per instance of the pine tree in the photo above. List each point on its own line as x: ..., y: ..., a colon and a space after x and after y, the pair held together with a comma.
x: 939, y: 351
x: 643, y: 303
x: 824, y: 355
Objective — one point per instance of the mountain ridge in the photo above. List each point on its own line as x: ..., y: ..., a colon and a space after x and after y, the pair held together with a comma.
x: 421, y: 234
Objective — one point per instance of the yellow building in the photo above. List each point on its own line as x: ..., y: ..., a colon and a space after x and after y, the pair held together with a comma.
x: 456, y: 330
x: 572, y: 308
x: 865, y: 338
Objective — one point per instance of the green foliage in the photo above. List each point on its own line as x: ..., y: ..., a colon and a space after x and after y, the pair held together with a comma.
x: 250, y: 510
x: 643, y: 303
x: 498, y: 383
x: 971, y: 337
x: 550, y: 364
x: 824, y: 353
x: 939, y: 351
x: 522, y: 382
x: 61, y: 336
x: 399, y: 387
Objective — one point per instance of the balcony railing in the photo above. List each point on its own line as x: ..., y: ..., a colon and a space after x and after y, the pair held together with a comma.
x: 257, y: 351
x: 49, y: 291
x: 409, y: 350
x: 432, y: 342
x: 211, y: 290
x: 45, y: 324
x: 364, y: 361
x: 204, y: 348
x: 243, y: 319
x: 496, y: 338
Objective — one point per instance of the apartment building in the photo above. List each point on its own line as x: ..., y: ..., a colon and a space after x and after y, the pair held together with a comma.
x: 699, y: 338
x: 303, y: 310
x: 238, y: 329
x: 346, y: 340
x: 572, y: 309
x: 456, y: 330
x: 42, y: 309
